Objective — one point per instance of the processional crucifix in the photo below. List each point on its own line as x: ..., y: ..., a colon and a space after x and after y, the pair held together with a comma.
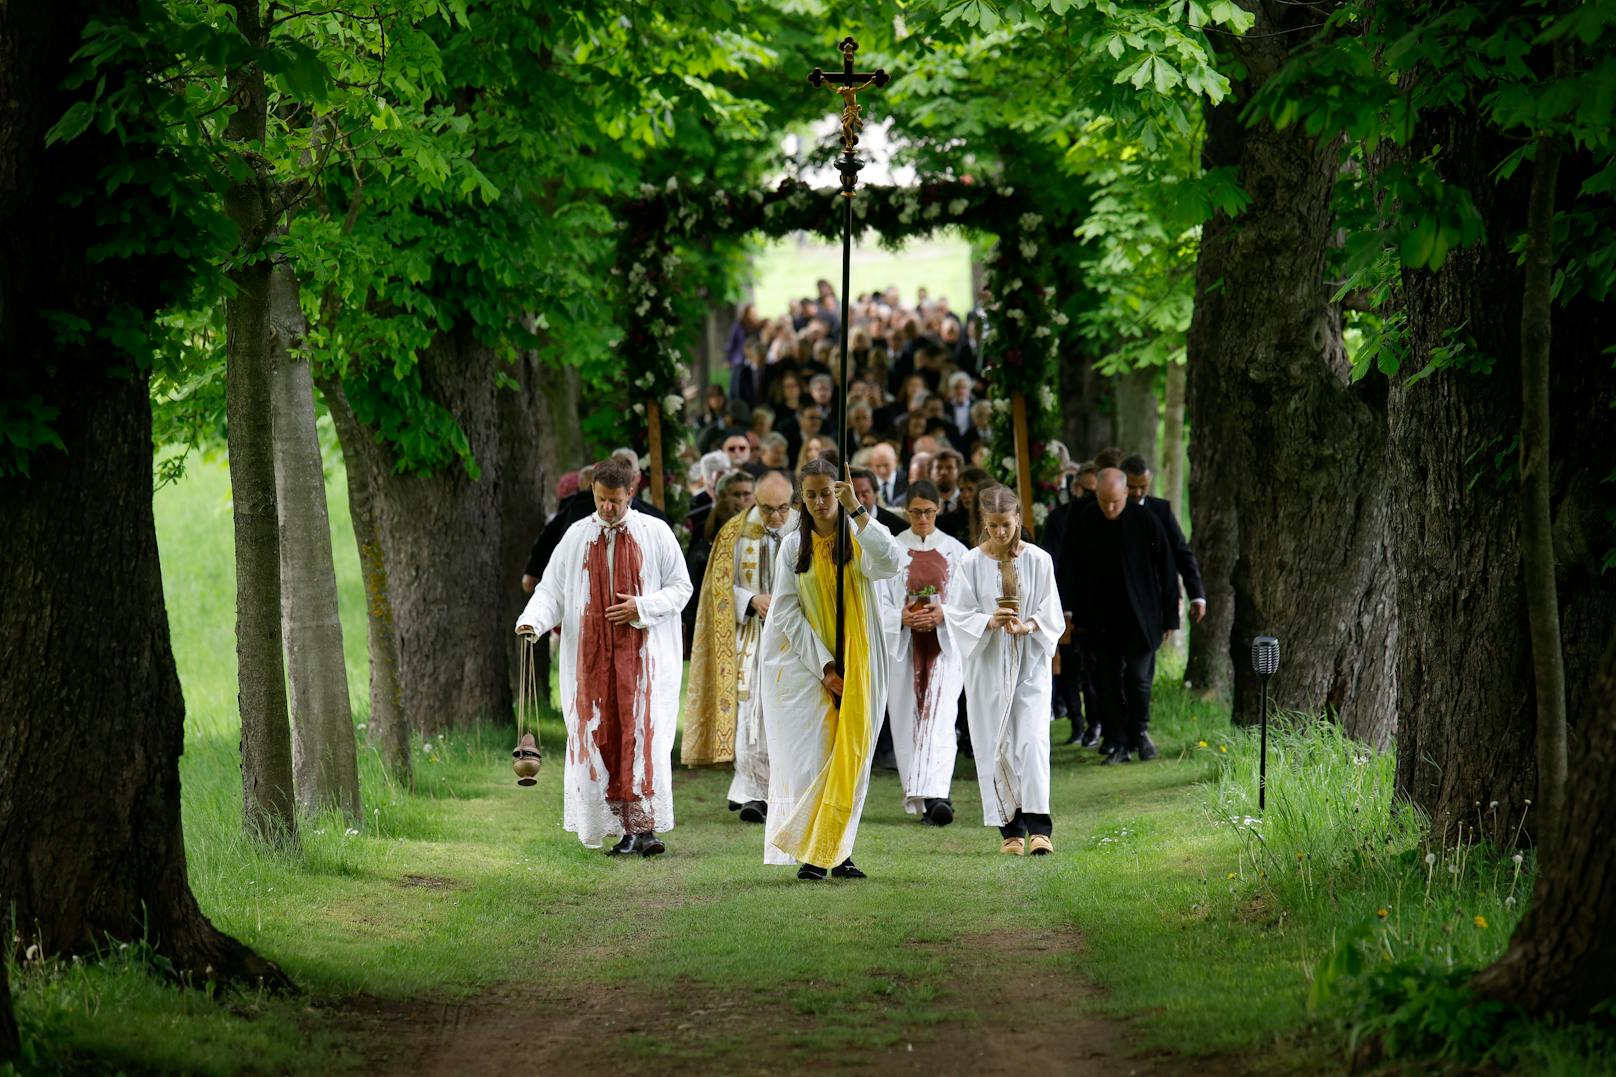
x: 848, y: 84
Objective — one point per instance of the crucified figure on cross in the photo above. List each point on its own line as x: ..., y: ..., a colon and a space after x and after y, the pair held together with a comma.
x: 852, y: 120
x: 848, y: 88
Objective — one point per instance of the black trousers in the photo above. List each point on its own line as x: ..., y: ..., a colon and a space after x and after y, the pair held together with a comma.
x: 1026, y: 824
x: 1122, y: 681
x: 1075, y: 686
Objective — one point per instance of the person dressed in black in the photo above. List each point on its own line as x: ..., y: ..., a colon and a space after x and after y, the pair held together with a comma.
x: 1074, y: 684
x: 1118, y: 582
x: 1137, y: 468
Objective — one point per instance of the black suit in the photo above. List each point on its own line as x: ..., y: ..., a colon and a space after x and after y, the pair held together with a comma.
x: 900, y: 488
x: 1189, y: 570
x: 890, y: 520
x: 1118, y: 579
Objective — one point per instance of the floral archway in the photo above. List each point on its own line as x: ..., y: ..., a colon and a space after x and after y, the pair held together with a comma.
x: 1020, y: 351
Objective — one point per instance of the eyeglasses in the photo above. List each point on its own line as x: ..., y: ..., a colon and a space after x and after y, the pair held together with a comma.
x: 920, y: 514
x: 772, y: 510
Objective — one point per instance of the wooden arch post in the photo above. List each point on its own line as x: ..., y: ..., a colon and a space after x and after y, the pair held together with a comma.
x: 653, y: 431
x: 1018, y: 425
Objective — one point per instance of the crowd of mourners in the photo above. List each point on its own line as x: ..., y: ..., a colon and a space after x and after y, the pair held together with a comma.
x: 975, y: 636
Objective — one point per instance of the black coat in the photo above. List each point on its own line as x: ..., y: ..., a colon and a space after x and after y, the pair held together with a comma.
x: 1118, y: 578
x: 1189, y: 570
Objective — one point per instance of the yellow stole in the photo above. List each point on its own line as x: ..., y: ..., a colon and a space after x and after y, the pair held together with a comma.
x: 824, y: 821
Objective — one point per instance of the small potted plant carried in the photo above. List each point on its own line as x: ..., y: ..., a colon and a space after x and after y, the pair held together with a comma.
x: 926, y: 596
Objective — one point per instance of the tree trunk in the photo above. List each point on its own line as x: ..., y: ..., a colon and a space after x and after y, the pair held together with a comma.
x: 90, y: 842
x: 523, y: 478
x: 560, y: 437
x: 1084, y: 427
x: 325, y: 771
x: 1281, y: 439
x: 388, y: 727
x: 1560, y: 958
x: 268, y: 809
x: 90, y: 830
x: 1172, y: 452
x: 443, y: 540
x: 1537, y: 540
x: 1466, y: 747
x: 1136, y: 415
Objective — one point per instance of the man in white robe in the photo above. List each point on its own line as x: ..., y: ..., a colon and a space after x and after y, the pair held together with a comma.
x: 616, y: 585
x: 1008, y: 650
x: 724, y: 699
x: 924, y: 674
x: 821, y: 723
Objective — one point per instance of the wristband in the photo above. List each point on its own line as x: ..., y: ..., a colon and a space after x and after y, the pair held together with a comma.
x: 856, y: 513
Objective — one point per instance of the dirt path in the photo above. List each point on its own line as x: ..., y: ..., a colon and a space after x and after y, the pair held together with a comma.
x: 1029, y: 1021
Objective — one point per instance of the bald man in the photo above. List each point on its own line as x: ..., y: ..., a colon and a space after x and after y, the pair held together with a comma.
x: 891, y: 484
x: 723, y: 705
x: 1118, y: 582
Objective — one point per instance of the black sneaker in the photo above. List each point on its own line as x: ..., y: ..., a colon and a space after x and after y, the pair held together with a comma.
x: 809, y: 873
x: 754, y: 811
x: 1119, y: 755
x: 1145, y: 749
x: 624, y: 845
x: 848, y: 870
x: 648, y: 844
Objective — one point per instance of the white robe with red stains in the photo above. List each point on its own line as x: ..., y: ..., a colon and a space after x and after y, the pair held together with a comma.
x: 923, y: 683
x: 620, y: 686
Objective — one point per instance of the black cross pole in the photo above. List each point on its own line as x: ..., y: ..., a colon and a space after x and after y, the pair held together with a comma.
x: 848, y: 84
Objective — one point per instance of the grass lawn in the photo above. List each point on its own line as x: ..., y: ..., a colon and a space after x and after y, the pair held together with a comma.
x: 785, y: 270
x: 1204, y: 929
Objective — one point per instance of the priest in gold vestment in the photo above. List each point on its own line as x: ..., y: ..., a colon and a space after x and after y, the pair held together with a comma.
x: 723, y: 704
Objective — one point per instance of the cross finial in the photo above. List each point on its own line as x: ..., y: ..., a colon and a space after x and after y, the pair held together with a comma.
x: 849, y: 84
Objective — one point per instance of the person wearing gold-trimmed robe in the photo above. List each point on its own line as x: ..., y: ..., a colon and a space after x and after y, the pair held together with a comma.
x: 821, y: 723
x: 724, y: 702
x: 616, y: 585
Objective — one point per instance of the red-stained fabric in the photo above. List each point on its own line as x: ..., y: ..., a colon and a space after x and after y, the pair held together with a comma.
x: 927, y: 568
x: 612, y: 674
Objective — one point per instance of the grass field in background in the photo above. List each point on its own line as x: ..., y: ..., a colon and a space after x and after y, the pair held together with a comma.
x: 1205, y: 925
x: 786, y: 269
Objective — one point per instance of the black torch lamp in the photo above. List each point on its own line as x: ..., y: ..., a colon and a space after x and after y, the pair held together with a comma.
x: 1265, y: 663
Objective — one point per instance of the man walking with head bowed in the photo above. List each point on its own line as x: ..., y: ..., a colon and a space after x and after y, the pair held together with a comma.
x: 616, y: 585
x: 1118, y: 581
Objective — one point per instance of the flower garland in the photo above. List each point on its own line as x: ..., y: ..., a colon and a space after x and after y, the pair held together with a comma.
x: 1019, y: 351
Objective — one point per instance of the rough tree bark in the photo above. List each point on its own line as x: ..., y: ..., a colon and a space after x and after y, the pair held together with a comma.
x: 523, y: 478
x: 388, y: 727
x: 1136, y: 415
x: 90, y: 829
x: 268, y: 808
x: 1288, y: 490
x: 443, y: 541
x: 1560, y: 957
x: 1172, y: 451
x: 1466, y: 748
x: 325, y: 770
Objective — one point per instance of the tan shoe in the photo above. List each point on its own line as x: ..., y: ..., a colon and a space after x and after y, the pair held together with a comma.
x: 1014, y: 846
x: 1040, y: 845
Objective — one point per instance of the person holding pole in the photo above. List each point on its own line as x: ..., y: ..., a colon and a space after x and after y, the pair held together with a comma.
x: 821, y: 717
x: 1004, y: 615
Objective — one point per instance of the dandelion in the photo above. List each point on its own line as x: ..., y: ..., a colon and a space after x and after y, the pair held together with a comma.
x: 1453, y: 869
x: 1509, y: 902
x: 1430, y: 858
x: 1224, y: 748
x: 1383, y: 912
x: 1299, y: 857
x: 32, y: 953
x: 1493, y: 806
x: 1200, y: 744
x: 1517, y: 858
x: 350, y: 832
x: 1231, y: 875
x: 1479, y: 920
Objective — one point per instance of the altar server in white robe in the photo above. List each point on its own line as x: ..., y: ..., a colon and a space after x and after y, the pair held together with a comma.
x: 822, y: 725
x: 616, y: 585
x: 1004, y: 614
x: 924, y: 674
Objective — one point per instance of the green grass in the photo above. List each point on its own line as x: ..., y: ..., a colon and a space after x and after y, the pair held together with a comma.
x: 1209, y: 929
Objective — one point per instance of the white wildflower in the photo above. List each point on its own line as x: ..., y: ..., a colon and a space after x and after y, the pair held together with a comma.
x: 1029, y: 249
x: 1029, y: 221
x: 673, y: 183
x: 958, y: 206
x: 643, y: 309
x: 639, y: 409
x: 1430, y: 858
x: 672, y: 404
x: 1517, y: 858
x: 1509, y: 902
x: 350, y: 833
x: 32, y: 953
x: 932, y: 211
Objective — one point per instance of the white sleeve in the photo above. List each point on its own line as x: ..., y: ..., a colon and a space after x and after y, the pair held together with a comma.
x: 544, y: 607
x: 967, y: 624
x: 892, y: 594
x: 1047, y: 613
x: 669, y: 601
x: 880, y: 555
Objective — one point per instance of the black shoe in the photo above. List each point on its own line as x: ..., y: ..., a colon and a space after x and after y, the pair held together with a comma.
x: 648, y: 844
x: 1091, y: 737
x: 1118, y: 756
x: 754, y: 811
x: 1145, y: 748
x: 847, y: 870
x: 809, y: 873
x: 624, y: 845
x: 886, y: 760
x: 938, y: 813
x: 1077, y: 734
x: 734, y: 805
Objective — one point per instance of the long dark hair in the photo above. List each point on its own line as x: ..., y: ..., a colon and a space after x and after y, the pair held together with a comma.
x: 805, y: 522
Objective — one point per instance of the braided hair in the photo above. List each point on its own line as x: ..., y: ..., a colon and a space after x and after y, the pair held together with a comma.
x: 805, y: 520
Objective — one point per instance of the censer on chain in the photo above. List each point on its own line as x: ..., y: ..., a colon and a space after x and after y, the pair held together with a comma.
x: 527, y: 756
